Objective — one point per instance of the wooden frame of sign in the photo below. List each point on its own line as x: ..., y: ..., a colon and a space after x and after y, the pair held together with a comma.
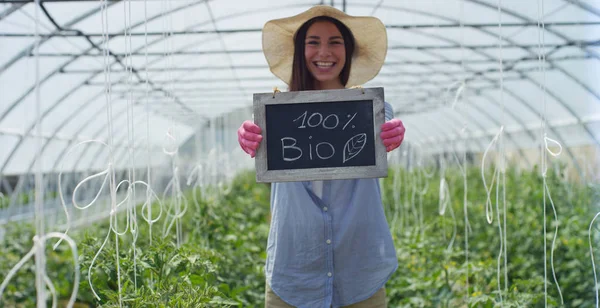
x: 297, y: 156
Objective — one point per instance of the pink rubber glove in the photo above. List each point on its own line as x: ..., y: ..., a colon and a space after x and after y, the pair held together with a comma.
x: 249, y: 137
x: 392, y: 133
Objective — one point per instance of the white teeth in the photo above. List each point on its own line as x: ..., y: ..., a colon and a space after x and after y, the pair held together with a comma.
x: 324, y: 64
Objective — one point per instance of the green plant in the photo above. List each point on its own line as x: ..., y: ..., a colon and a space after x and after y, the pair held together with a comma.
x: 432, y: 275
x: 4, y: 201
x: 221, y: 257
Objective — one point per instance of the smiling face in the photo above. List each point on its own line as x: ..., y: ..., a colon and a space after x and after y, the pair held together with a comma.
x: 325, y: 54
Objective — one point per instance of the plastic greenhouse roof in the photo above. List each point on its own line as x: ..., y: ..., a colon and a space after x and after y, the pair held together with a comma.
x: 451, y: 72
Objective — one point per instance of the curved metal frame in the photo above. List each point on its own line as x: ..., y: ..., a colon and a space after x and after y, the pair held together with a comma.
x: 57, y: 71
x: 512, y: 43
x: 526, y: 77
x: 187, y: 46
x: 468, y: 70
x: 13, y: 8
x: 26, y: 51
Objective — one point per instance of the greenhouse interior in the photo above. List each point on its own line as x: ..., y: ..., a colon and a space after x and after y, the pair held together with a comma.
x: 123, y: 182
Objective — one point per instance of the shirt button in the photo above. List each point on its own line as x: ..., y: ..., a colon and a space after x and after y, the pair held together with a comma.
x: 329, y: 274
x: 325, y: 208
x: 328, y: 241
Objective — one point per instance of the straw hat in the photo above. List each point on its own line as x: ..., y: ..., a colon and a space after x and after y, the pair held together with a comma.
x: 369, y: 35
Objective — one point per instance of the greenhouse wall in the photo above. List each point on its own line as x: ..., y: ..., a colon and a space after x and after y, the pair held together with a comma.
x: 125, y: 181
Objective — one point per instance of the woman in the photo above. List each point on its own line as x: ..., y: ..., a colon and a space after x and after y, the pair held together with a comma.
x: 329, y: 243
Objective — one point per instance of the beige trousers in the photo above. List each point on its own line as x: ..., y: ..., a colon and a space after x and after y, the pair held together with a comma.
x: 378, y: 300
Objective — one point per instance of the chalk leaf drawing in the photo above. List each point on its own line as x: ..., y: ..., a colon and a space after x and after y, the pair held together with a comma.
x: 354, y: 146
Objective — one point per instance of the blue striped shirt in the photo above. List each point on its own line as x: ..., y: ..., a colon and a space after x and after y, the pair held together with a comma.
x: 329, y: 251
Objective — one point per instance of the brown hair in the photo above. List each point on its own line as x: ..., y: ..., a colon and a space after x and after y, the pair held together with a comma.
x: 302, y: 79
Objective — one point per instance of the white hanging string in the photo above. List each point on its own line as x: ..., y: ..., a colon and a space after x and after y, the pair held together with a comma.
x: 109, y: 113
x: 40, y: 243
x: 113, y: 228
x: 458, y: 93
x: 421, y: 184
x: 413, y: 177
x: 40, y: 254
x: 107, y: 174
x: 444, y: 198
x: 174, y: 212
x: 50, y: 286
x: 543, y: 158
x: 420, y: 193
x: 499, y: 259
x: 592, y: 169
x: 195, y: 180
x: 131, y: 199
x: 113, y: 212
x: 94, y: 261
x: 407, y: 187
x: 502, y: 163
x: 113, y: 218
x: 553, y: 153
x: 596, y: 286
x: 148, y: 203
x: 397, y: 186
x: 396, y: 226
x: 178, y: 205
x: 544, y: 151
x: 463, y: 166
x: 401, y: 195
x: 488, y: 204
x: 446, y: 203
x: 226, y: 171
x: 147, y: 207
x: 547, y: 191
x: 170, y: 148
x: 104, y: 173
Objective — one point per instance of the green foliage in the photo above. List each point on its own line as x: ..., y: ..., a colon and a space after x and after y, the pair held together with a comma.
x: 219, y: 264
x: 220, y: 261
x: 24, y: 198
x: 20, y: 292
x: 431, y: 275
x: 18, y: 241
x: 237, y: 226
x: 4, y: 201
x: 162, y: 276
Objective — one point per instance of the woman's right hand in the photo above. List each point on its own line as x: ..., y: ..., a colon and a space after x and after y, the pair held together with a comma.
x: 249, y: 137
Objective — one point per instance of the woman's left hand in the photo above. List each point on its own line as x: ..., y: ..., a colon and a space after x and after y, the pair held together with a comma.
x: 392, y: 133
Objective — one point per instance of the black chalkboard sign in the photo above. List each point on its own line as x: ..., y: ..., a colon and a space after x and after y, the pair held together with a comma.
x: 319, y: 135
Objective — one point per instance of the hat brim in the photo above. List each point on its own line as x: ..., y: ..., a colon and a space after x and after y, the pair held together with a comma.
x: 369, y: 33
